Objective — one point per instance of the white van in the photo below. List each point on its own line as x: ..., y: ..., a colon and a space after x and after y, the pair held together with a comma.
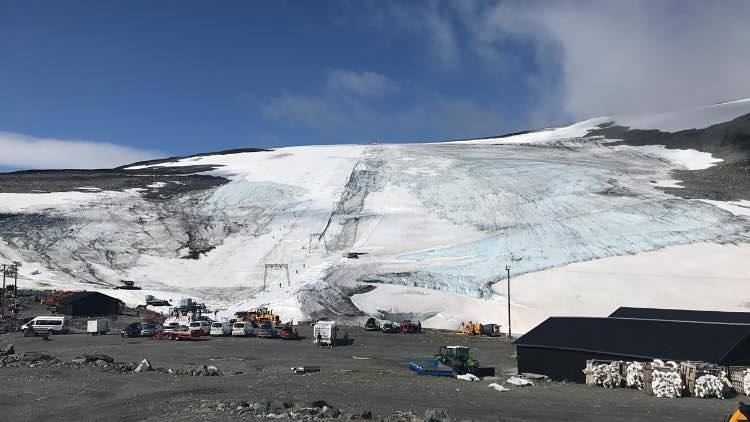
x: 324, y: 333
x: 203, y: 326
x: 221, y: 328
x: 47, y: 324
x: 242, y: 329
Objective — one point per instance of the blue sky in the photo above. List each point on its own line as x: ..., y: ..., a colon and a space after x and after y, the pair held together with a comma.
x: 123, y: 80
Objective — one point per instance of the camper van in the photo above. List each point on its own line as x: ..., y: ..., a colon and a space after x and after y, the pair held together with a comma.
x: 324, y: 333
x: 47, y: 324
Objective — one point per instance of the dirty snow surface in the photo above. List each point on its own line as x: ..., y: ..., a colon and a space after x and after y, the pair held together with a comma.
x: 417, y: 231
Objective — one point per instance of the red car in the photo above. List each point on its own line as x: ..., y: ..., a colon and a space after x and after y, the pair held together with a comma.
x: 182, y: 333
x: 288, y: 333
x: 409, y: 327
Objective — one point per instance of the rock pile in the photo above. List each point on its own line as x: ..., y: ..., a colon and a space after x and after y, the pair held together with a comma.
x: 274, y: 409
x: 28, y: 359
x: 100, y: 360
x: 317, y: 410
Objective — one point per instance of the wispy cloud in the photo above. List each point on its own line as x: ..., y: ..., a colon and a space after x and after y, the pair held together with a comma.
x: 593, y: 57
x: 607, y: 56
x: 28, y: 152
x: 362, y: 84
x: 353, y: 107
x: 431, y: 22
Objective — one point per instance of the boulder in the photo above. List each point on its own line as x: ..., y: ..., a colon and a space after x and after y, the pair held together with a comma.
x: 436, y: 415
x: 318, y: 403
x: 144, y: 366
x: 329, y: 412
x: 10, y: 350
x: 89, y: 358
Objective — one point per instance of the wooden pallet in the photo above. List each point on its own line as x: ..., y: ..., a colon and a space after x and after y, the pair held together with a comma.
x: 648, y: 370
x: 691, y: 371
x: 591, y: 363
x: 736, y: 375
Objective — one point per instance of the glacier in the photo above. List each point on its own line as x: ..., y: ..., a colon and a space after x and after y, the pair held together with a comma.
x: 423, y: 231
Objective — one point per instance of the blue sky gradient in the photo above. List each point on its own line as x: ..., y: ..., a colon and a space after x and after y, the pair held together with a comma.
x: 180, y: 77
x: 189, y: 76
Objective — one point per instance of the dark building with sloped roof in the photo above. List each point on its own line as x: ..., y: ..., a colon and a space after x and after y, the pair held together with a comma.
x: 682, y: 315
x: 560, y: 346
x: 89, y: 304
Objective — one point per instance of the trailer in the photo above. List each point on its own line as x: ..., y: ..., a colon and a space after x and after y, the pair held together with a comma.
x: 431, y: 366
x: 99, y: 326
x: 324, y: 333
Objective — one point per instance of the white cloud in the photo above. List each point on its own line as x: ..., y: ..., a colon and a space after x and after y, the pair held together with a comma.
x: 28, y: 152
x: 593, y: 57
x: 363, y: 84
x: 625, y: 56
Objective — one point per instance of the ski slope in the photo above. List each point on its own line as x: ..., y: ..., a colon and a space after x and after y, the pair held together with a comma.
x: 582, y: 223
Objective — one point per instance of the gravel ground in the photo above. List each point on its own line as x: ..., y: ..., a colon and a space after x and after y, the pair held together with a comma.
x: 371, y: 374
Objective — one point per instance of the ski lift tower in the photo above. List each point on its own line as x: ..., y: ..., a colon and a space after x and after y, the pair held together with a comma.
x: 285, y: 267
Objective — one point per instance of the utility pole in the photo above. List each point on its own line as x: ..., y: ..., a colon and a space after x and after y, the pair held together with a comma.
x: 2, y: 298
x: 507, y: 268
x: 15, y: 286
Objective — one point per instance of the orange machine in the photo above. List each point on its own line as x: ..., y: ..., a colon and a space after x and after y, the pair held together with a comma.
x: 742, y: 414
x: 470, y: 329
x: 258, y: 315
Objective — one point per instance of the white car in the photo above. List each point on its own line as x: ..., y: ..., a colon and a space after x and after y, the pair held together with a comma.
x: 203, y: 326
x: 221, y: 328
x: 242, y: 329
x: 47, y: 324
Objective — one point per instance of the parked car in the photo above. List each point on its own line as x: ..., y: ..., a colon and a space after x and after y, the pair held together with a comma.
x: 288, y: 332
x: 266, y: 330
x: 242, y: 329
x: 203, y: 326
x: 409, y: 327
x: 391, y: 327
x: 182, y: 332
x: 171, y: 327
x: 131, y: 330
x: 149, y: 330
x: 221, y: 328
x: 372, y: 325
x: 47, y: 325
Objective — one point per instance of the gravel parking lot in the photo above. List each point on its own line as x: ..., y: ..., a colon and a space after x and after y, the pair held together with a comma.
x: 371, y: 374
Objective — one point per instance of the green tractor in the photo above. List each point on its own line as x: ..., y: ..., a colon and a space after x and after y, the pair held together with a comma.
x: 457, y: 357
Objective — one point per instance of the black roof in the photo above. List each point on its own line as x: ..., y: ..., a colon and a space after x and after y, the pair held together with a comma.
x: 683, y: 315
x: 642, y: 338
x: 79, y: 296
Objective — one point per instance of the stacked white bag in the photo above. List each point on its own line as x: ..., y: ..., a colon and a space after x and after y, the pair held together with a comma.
x: 634, y: 375
x: 712, y: 386
x: 665, y: 380
x: 608, y: 375
x: 746, y: 381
